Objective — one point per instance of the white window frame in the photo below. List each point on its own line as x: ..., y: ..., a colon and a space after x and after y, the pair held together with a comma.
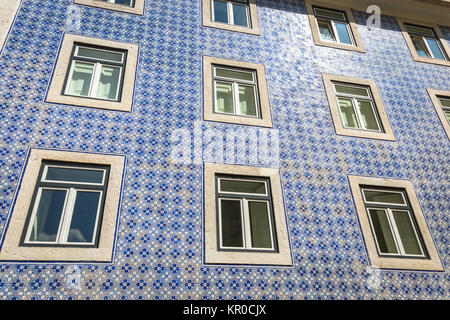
x: 355, y: 99
x: 96, y: 73
x: 235, y: 88
x: 380, y: 190
x: 395, y: 234
x: 333, y: 26
x: 243, y: 193
x: 403, y: 207
x: 66, y: 218
x: 245, y: 223
x: 230, y: 12
x: 44, y: 175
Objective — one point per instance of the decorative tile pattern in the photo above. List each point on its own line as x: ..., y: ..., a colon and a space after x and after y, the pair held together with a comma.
x: 159, y: 242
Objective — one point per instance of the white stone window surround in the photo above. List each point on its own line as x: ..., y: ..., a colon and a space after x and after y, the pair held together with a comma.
x: 10, y: 248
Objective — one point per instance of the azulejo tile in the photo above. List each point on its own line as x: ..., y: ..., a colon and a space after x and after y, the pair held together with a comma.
x: 158, y: 252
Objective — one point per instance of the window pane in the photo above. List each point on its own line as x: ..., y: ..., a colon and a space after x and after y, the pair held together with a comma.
x: 447, y: 113
x: 435, y: 49
x: 348, y: 113
x: 259, y: 224
x: 48, y: 216
x: 233, y: 74
x: 368, y: 116
x: 420, y: 46
x: 382, y: 231
x: 74, y: 175
x: 342, y: 31
x: 84, y: 217
x: 220, y: 11
x: 422, y: 31
x: 99, y: 54
x: 384, y: 197
x: 406, y: 231
x: 329, y: 14
x: 445, y: 102
x: 239, y: 186
x: 231, y: 223
x: 109, y: 83
x: 240, y: 14
x: 326, y: 30
x: 124, y: 2
x: 224, y: 97
x: 81, y: 79
x: 247, y: 100
x: 353, y: 90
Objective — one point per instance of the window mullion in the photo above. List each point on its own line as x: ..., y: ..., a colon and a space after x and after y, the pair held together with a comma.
x: 428, y: 47
x: 95, y: 80
x: 249, y: 21
x: 236, y: 102
x: 395, y: 232
x: 246, y: 221
x: 67, y: 217
x: 424, y: 40
x: 230, y: 13
x: 336, y: 34
x: 350, y: 33
x: 358, y: 113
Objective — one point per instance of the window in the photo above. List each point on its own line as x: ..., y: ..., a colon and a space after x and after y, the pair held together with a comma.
x: 441, y: 102
x: 66, y: 208
x: 128, y: 6
x: 235, y: 92
x: 231, y: 12
x: 333, y: 26
x: 233, y: 15
x: 394, y: 228
x: 356, y: 108
x: 392, y: 224
x: 67, y: 205
x: 425, y: 42
x: 244, y: 216
x: 94, y: 73
x: 445, y: 104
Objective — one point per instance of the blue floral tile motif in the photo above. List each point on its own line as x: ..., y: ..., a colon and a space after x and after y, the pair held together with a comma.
x: 158, y: 253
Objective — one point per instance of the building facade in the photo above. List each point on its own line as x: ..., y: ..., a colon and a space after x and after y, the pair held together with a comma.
x: 202, y: 149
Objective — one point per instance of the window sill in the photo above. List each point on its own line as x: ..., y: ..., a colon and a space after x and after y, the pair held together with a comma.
x: 430, y: 60
x: 337, y: 45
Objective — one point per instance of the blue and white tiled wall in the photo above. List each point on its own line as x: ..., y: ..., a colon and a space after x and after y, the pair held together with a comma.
x: 158, y: 252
